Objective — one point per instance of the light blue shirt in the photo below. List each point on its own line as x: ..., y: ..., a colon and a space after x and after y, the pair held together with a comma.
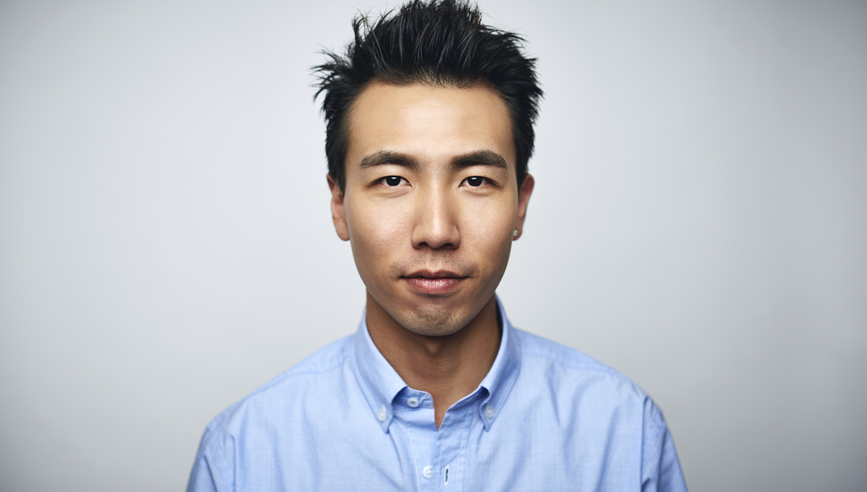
x: 545, y: 418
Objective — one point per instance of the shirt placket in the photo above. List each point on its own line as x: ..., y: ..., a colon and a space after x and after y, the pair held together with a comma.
x: 416, y: 419
x: 450, y: 453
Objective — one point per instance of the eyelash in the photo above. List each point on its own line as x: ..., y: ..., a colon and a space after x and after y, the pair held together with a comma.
x: 484, y: 181
x: 384, y: 181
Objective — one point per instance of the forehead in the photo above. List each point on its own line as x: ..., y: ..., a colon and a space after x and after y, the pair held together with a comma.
x: 432, y: 123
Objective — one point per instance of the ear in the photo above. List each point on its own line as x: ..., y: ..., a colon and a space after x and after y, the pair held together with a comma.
x: 337, y: 212
x: 523, y: 200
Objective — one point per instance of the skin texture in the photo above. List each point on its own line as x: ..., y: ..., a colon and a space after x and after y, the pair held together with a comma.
x: 430, y: 206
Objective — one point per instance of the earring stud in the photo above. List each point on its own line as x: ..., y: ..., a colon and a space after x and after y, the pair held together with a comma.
x: 515, y: 233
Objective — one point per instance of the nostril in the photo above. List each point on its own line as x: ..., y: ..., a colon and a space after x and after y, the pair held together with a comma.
x: 435, y: 237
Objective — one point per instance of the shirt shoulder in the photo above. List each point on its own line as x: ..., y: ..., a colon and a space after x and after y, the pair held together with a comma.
x: 313, y: 373
x: 257, y: 424
x: 561, y: 358
x: 611, y: 406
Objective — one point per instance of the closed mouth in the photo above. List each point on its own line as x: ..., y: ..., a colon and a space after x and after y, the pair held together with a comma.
x: 438, y: 274
x: 436, y: 283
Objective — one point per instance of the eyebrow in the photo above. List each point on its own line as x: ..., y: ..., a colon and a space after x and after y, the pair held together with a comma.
x: 384, y: 157
x: 479, y: 158
x: 476, y: 158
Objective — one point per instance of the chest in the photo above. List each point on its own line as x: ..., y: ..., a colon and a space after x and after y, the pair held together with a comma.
x: 528, y: 447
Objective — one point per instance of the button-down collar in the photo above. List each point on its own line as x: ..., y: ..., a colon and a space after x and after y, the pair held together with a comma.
x: 501, y: 378
x: 380, y: 383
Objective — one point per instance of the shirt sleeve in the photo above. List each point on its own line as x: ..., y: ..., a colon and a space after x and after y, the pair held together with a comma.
x: 210, y: 468
x: 660, y: 468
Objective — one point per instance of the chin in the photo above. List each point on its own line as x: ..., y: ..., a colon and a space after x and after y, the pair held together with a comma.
x: 433, y: 323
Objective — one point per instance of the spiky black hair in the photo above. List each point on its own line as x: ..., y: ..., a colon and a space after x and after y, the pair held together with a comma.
x: 438, y: 42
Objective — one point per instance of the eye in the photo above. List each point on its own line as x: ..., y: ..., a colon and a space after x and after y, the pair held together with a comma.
x: 392, y: 180
x: 475, y: 181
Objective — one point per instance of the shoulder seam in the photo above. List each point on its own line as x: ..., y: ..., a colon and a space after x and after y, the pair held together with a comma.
x: 291, y: 372
x: 288, y: 373
x: 223, y: 463
x: 340, y: 360
x: 560, y: 357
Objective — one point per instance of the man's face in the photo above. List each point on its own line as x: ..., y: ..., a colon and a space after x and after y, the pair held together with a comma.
x: 431, y: 200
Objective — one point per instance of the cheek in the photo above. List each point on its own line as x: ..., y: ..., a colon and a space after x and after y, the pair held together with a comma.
x: 375, y: 232
x: 490, y: 229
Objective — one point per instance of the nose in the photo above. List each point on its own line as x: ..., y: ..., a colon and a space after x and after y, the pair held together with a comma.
x: 436, y: 224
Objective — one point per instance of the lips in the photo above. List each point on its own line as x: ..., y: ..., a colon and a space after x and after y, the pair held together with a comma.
x: 440, y: 282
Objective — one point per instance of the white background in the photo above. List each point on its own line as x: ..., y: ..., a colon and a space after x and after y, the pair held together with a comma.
x: 699, y: 223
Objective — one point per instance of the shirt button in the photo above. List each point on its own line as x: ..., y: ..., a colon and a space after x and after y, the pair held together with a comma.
x: 427, y: 471
x: 382, y: 414
x: 413, y: 402
x: 489, y: 412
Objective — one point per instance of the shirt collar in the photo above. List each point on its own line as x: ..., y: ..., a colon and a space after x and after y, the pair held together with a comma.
x: 503, y: 374
x: 380, y: 383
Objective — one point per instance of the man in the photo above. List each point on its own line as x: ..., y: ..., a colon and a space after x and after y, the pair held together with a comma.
x: 429, y: 131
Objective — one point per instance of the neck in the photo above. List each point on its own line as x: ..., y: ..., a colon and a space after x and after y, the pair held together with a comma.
x: 449, y: 367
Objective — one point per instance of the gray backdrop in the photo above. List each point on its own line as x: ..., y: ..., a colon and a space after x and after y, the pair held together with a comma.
x: 699, y: 223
